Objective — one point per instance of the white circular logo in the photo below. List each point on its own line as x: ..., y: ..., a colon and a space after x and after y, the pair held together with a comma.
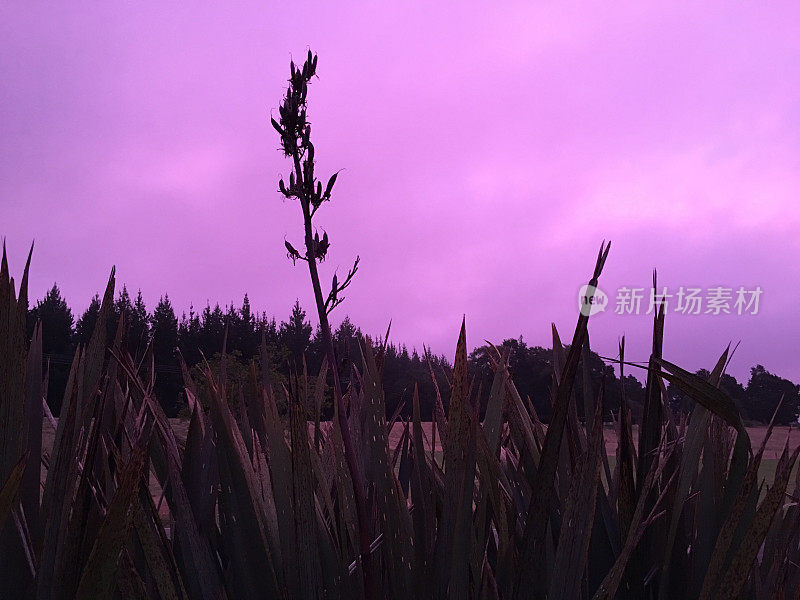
x: 591, y: 300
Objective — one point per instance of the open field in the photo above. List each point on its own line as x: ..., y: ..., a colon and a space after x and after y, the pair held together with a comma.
x: 774, y: 446
x: 773, y: 450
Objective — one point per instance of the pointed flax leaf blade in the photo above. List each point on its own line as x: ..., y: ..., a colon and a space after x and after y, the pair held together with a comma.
x: 736, y: 575
x: 33, y: 417
x: 576, y: 529
x: 8, y: 493
x: 307, y: 561
x: 532, y: 577
x: 96, y: 349
x: 242, y: 489
x: 455, y: 441
x: 99, y: 574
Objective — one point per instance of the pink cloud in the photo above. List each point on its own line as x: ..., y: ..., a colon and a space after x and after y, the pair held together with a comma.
x: 487, y: 151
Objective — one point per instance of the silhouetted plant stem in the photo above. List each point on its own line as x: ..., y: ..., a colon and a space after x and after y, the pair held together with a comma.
x: 347, y: 440
x: 295, y: 139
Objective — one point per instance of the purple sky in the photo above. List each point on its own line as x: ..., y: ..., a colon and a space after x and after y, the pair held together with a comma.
x: 486, y: 154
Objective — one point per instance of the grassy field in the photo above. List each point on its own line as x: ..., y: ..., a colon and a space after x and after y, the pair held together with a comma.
x: 774, y: 446
x: 766, y: 471
x: 773, y: 450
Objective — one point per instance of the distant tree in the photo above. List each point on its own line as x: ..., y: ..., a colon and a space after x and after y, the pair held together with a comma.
x: 764, y: 392
x: 295, y: 334
x: 57, y: 322
x: 232, y: 324
x: 400, y: 374
x: 123, y: 307
x: 634, y: 396
x: 189, y: 330
x: 201, y: 334
x: 164, y: 328
x: 531, y: 370
x: 85, y: 325
x: 243, y: 331
x: 736, y: 391
x: 346, y: 340
x: 269, y: 328
x: 212, y: 330
x: 277, y: 354
x: 138, y: 327
x: 57, y: 344
x: 316, y: 350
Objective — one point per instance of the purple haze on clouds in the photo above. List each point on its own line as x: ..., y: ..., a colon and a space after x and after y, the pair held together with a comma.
x: 486, y: 153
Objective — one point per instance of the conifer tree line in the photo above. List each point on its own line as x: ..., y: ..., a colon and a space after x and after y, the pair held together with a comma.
x: 295, y: 344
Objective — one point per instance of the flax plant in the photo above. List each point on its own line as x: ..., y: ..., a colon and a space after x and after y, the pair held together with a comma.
x: 295, y: 133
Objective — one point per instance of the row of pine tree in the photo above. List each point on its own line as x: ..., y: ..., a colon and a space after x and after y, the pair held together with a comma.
x: 294, y: 343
